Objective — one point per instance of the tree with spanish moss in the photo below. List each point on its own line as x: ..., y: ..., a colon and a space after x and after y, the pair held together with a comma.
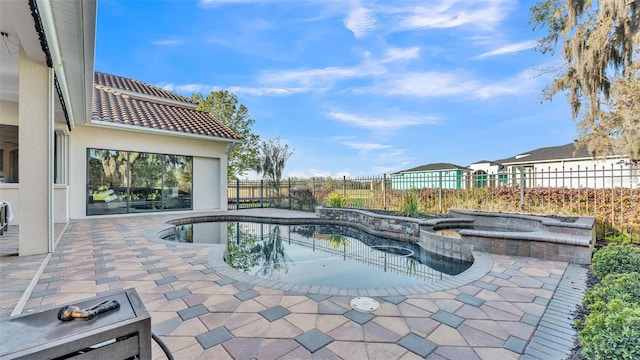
x: 599, y: 73
x: 272, y: 158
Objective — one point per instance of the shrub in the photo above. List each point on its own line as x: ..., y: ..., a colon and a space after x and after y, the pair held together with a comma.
x: 410, y: 205
x: 615, y: 259
x: 611, y: 331
x: 625, y: 287
x: 336, y: 200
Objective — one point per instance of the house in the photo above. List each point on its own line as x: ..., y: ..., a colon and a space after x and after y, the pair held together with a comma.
x: 488, y: 173
x: 567, y: 166
x: 75, y: 144
x: 430, y: 176
x: 146, y: 149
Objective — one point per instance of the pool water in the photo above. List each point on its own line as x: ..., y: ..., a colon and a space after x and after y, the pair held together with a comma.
x: 323, y: 255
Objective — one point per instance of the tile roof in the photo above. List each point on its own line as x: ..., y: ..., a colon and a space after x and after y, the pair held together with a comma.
x: 136, y: 86
x: 125, y: 101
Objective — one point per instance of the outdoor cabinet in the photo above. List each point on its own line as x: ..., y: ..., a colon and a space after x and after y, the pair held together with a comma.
x: 123, y: 333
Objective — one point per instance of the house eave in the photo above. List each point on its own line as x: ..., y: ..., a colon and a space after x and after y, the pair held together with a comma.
x: 139, y: 129
x: 536, y: 162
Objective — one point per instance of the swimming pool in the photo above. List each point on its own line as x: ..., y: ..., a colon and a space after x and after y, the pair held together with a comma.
x: 323, y: 255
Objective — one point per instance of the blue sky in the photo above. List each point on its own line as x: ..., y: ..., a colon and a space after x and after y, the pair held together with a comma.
x: 356, y: 88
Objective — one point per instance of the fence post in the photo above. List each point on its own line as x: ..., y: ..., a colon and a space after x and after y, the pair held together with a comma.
x: 521, y: 189
x: 261, y: 193
x: 344, y: 185
x: 384, y: 191
x: 440, y: 192
x: 237, y: 194
x: 613, y: 194
x: 289, y: 180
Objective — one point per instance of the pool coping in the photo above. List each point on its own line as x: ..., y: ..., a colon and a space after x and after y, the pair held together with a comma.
x: 482, y: 263
x: 481, y: 266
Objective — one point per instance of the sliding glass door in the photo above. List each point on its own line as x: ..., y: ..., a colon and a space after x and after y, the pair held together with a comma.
x: 126, y: 182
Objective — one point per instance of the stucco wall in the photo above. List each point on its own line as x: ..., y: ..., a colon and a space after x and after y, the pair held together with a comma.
x: 209, y: 165
x: 9, y: 111
x: 447, y: 179
x: 581, y: 173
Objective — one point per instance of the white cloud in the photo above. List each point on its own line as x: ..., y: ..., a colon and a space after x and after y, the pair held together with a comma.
x: 321, y: 77
x: 268, y: 91
x: 168, y: 42
x: 483, y: 14
x: 442, y: 84
x: 425, y: 84
x: 360, y: 21
x: 365, y: 146
x: 309, y: 77
x: 509, y: 49
x: 395, y: 54
x: 206, y: 89
x: 390, y: 122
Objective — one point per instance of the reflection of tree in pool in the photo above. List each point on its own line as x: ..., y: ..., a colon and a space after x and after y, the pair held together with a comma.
x: 412, y: 266
x: 242, y: 249
x: 246, y: 250
x: 338, y: 240
x: 274, y: 258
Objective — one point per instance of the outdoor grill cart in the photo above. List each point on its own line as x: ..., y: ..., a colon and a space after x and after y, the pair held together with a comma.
x: 114, y: 325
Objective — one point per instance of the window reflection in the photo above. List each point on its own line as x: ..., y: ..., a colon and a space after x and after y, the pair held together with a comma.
x: 122, y: 182
x: 177, y: 182
x: 9, y: 154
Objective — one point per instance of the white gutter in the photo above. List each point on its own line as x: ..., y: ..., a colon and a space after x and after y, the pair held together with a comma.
x: 135, y: 128
x: 46, y: 16
x: 536, y: 162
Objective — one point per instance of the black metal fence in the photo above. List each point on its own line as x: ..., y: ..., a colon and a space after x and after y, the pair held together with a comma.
x: 611, y: 195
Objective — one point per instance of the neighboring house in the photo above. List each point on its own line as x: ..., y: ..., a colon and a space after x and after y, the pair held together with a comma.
x: 570, y: 167
x: 555, y: 166
x: 487, y: 173
x: 71, y: 148
x: 430, y: 176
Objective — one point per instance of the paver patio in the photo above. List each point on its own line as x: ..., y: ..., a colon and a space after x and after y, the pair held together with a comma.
x: 203, y: 311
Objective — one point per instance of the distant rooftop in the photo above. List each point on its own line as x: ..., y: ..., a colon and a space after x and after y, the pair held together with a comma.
x: 435, y: 167
x: 562, y: 152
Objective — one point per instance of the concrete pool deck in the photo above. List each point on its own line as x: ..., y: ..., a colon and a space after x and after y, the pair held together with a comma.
x: 504, y: 307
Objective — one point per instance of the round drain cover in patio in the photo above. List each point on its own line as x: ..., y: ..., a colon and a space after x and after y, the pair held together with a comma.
x: 364, y: 304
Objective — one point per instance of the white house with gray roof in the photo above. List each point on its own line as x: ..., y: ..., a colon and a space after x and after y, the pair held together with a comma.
x: 560, y: 166
x: 556, y: 166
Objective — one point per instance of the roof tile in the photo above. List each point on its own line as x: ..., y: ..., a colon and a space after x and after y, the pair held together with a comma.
x: 111, y: 105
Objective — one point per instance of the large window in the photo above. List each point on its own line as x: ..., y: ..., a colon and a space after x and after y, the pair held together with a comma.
x: 126, y: 181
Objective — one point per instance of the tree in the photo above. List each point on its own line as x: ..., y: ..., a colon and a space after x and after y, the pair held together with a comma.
x: 224, y: 106
x: 271, y: 161
x: 599, y: 48
x: 623, y: 121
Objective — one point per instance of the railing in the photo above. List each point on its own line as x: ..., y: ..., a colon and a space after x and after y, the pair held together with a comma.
x: 611, y: 195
